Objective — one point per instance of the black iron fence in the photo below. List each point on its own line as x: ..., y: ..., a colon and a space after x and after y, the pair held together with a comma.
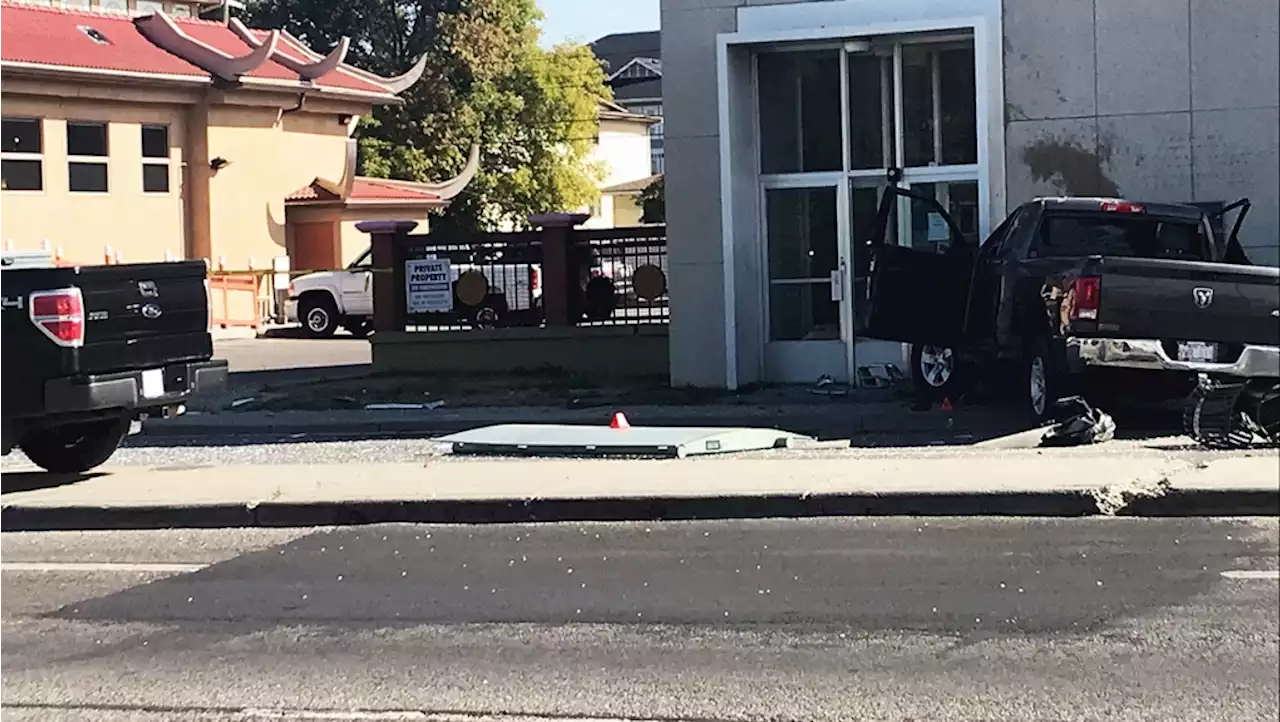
x: 551, y: 277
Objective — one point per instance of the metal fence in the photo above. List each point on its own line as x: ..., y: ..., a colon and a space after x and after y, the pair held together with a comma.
x: 618, y: 256
x: 617, y: 277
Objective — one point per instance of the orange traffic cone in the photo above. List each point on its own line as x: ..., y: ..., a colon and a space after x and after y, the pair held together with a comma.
x: 946, y: 404
x: 619, y: 421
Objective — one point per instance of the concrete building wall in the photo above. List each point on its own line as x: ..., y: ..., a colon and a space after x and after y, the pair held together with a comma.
x: 1158, y: 100
x: 691, y: 143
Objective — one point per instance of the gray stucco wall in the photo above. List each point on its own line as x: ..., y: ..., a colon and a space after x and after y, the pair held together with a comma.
x: 1156, y: 100
x: 692, y: 149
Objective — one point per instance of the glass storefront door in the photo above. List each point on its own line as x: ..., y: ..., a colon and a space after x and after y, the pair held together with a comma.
x: 808, y: 297
x: 837, y: 125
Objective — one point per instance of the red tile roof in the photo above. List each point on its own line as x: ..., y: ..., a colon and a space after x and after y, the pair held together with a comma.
x: 48, y: 35
x: 56, y: 36
x: 364, y: 189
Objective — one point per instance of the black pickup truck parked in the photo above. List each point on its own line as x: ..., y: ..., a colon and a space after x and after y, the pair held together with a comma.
x: 89, y: 352
x: 1065, y: 286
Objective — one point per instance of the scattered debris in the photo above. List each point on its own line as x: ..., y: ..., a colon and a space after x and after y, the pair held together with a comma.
x: 879, y: 376
x: 1079, y: 424
x: 1230, y: 413
x: 827, y: 386
x: 428, y: 406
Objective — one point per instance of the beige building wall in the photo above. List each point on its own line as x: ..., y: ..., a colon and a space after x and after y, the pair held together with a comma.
x: 81, y: 224
x: 269, y: 157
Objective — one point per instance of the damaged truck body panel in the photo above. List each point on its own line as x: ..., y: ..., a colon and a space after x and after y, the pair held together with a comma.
x: 1066, y: 285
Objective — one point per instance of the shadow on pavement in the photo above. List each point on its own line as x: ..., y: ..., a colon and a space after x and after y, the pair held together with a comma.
x: 1029, y: 576
x: 18, y: 481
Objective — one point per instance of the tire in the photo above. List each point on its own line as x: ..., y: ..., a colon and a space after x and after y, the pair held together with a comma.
x: 1042, y: 382
x: 75, y: 448
x: 360, y: 328
x: 319, y: 316
x: 935, y: 370
x: 491, y: 313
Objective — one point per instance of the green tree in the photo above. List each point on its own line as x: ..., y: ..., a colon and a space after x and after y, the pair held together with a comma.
x: 533, y: 111
x: 653, y: 202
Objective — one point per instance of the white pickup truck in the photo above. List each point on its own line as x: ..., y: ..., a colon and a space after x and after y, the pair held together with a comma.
x: 323, y: 301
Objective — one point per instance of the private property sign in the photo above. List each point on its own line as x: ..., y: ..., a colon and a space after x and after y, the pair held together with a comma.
x: 428, y: 285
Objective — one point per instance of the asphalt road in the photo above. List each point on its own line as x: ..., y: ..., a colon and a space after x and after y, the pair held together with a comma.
x: 856, y: 619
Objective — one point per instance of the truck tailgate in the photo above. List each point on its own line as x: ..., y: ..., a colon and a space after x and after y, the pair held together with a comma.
x: 1175, y: 300
x: 138, y: 315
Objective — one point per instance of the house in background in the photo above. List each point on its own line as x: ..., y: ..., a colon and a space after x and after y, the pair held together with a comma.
x: 171, y: 137
x: 623, y: 148
x: 633, y: 66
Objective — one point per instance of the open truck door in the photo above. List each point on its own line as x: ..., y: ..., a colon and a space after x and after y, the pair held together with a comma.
x: 1229, y: 249
x: 921, y: 270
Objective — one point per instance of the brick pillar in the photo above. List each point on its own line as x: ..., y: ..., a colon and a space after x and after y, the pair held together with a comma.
x: 387, y: 239
x: 557, y: 241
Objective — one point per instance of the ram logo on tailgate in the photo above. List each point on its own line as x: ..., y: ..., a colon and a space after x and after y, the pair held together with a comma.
x: 1203, y: 296
x: 148, y: 289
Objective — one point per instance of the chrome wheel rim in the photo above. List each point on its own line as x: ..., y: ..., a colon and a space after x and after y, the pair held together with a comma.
x: 936, y: 365
x: 1039, y: 395
x: 317, y: 319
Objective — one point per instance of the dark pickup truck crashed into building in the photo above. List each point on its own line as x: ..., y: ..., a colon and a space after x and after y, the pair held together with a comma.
x: 90, y: 352
x: 1066, y: 287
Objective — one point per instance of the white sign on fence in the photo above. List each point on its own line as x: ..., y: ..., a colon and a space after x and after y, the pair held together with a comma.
x: 428, y: 285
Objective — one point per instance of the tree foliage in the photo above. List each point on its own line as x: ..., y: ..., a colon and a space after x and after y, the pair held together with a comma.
x: 653, y: 202
x: 533, y: 111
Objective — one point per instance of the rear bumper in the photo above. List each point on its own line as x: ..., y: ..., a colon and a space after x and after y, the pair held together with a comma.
x: 124, y: 390
x: 1149, y: 354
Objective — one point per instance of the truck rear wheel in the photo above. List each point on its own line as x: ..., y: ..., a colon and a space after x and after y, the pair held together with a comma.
x: 75, y: 448
x: 1043, y: 381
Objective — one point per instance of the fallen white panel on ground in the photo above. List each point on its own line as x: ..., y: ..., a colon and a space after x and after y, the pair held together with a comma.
x: 582, y: 440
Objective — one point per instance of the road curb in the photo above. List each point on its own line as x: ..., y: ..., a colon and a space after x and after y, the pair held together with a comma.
x: 274, y: 514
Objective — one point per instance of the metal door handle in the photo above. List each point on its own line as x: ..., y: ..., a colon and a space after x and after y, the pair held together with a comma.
x: 837, y: 284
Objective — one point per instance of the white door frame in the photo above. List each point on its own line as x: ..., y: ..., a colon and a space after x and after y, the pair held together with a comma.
x: 807, y: 357
x: 827, y: 22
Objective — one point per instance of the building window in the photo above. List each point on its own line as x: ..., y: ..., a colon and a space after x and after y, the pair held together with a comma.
x: 84, y: 4
x: 155, y: 159
x: 115, y: 6
x: 87, y: 157
x: 23, y: 155
x: 181, y: 10
x: 147, y: 7
x: 799, y: 111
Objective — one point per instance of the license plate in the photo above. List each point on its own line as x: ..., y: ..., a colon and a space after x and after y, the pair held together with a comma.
x: 1197, y: 351
x: 153, y: 383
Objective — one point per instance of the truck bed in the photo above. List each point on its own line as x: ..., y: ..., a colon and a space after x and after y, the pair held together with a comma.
x: 1173, y: 300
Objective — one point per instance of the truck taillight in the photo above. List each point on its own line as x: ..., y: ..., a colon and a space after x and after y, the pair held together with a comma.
x: 535, y: 279
x: 1088, y: 298
x: 1122, y: 207
x: 59, y: 314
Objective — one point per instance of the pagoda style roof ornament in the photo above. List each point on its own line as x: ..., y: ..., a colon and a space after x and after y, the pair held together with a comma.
x: 161, y: 30
x: 318, y: 66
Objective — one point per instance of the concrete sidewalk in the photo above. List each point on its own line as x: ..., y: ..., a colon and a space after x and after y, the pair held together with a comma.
x: 445, y: 490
